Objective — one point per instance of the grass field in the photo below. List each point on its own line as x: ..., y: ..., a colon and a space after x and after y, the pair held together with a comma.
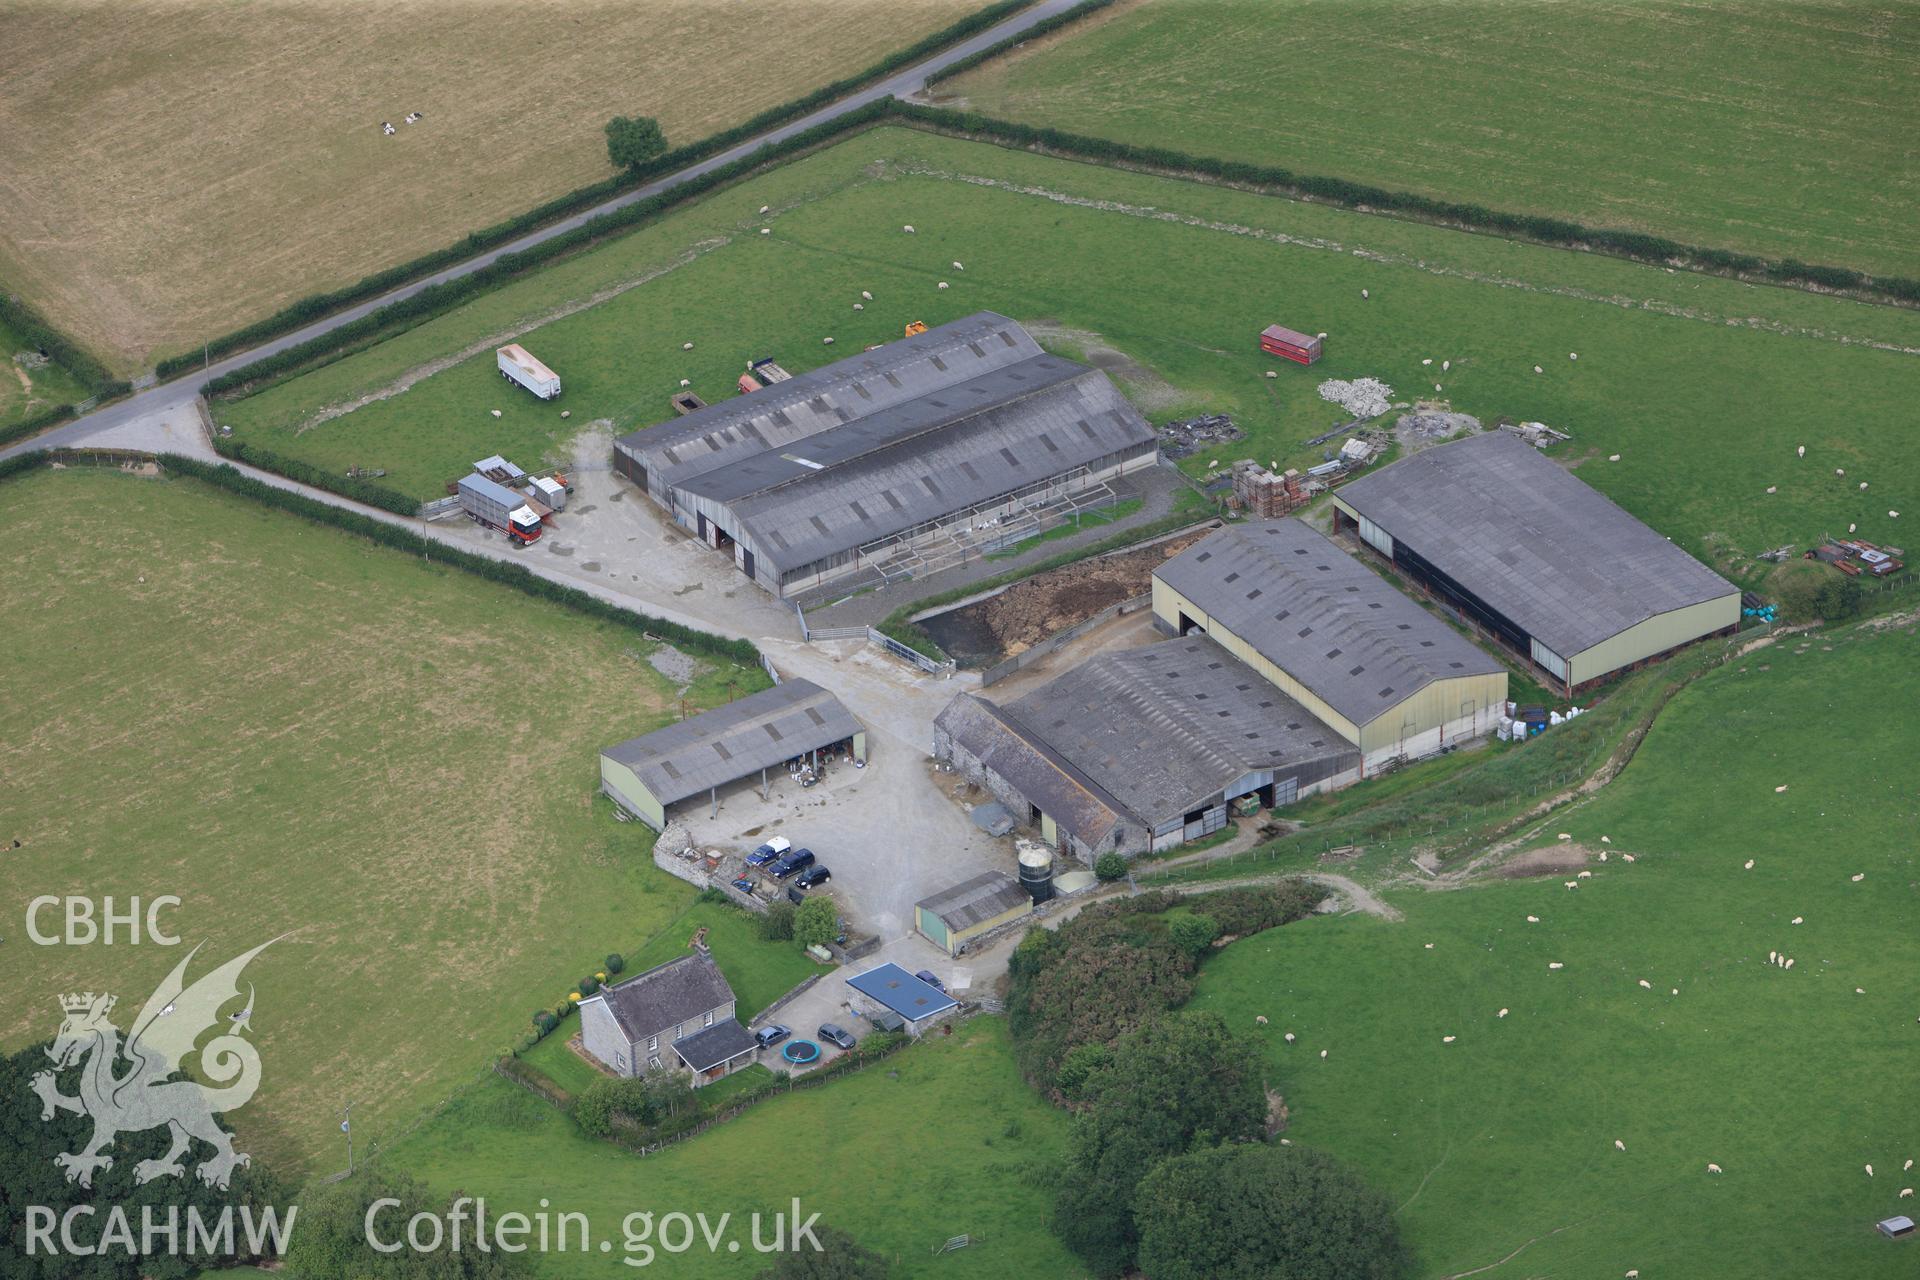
x: 1501, y: 1145
x: 940, y: 1140
x: 177, y: 169
x: 300, y: 733
x: 26, y: 390
x: 1703, y: 386
x: 1775, y: 128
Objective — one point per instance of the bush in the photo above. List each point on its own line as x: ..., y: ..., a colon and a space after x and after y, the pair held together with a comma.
x: 616, y: 962
x: 1260, y: 1210
x: 589, y: 985
x: 777, y: 924
x: 816, y: 923
x: 544, y: 1022
x: 1839, y: 598
x: 35, y: 423
x: 634, y: 140
x: 1110, y: 866
x: 1253, y: 908
x: 839, y: 1257
x: 1193, y: 934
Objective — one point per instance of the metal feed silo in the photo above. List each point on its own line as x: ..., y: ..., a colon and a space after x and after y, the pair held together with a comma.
x: 1036, y: 871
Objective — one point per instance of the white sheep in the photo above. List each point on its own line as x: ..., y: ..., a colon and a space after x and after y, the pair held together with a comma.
x: 1859, y: 991
x: 1774, y: 489
x: 1445, y: 365
x: 1555, y: 964
x: 1606, y: 839
x: 765, y: 207
x: 1619, y: 1145
x: 1646, y: 984
x: 826, y: 342
x: 1501, y: 1014
x: 496, y: 413
x: 1323, y: 1053
x: 1446, y: 1039
x: 1613, y: 457
x: 1905, y: 1167
x: 908, y: 228
x: 958, y: 267
x: 1675, y: 991
x: 1799, y: 919
x: 1289, y: 1037
x: 866, y: 295
x: 1573, y: 884
x: 1839, y: 471
x: 1363, y: 293
x: 1782, y: 787
x: 686, y: 346
x: 1584, y: 875
x: 1635, y: 1273
x: 1869, y: 1171
x: 1564, y: 835
x: 1533, y: 919
x: 859, y: 306
x: 1894, y: 514
x: 1260, y: 1018
x: 1789, y: 963
x: 1273, y: 373
x: 1538, y: 369
x: 1749, y: 864
x: 943, y: 284
x: 766, y: 231
x: 1905, y: 1192
x: 1427, y: 361
x: 1436, y: 386
x: 685, y: 383
x: 1573, y: 355
x: 1627, y: 857
x: 1713, y: 1168
x: 1862, y: 876
x: 1863, y: 484
x: 1429, y: 946
x: 1801, y: 452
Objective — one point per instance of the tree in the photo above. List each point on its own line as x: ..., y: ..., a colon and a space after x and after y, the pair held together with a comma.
x: 1260, y: 1212
x: 634, y: 140
x: 330, y: 1241
x: 1193, y: 933
x: 29, y: 1178
x: 1838, y: 599
x: 1179, y: 1082
x: 777, y: 924
x: 1110, y: 866
x: 816, y: 923
x: 840, y: 1257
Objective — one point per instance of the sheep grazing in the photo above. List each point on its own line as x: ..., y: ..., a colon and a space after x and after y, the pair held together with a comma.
x: 1273, y: 373
x: 1852, y: 527
x: 1613, y: 457
x: 1799, y: 919
x: 1801, y: 452
x: 1573, y: 355
x: 496, y: 413
x: 1905, y: 1192
x: 1573, y: 884
x: 686, y: 346
x: 1749, y: 864
x: 1533, y: 919
x: 1323, y: 1053
x: 1555, y: 964
x: 1789, y: 963
x: 685, y: 383
x: 943, y: 284
x: 1425, y: 362
x: 1907, y: 1166
x: 1894, y: 514
x: 1363, y: 293
x: 1564, y: 835
x: 1635, y: 1273
x: 1859, y: 991
x: 1713, y: 1168
x: 1584, y: 875
x: 1501, y: 1014
x: 1436, y: 386
x: 1606, y: 839
x: 566, y: 413
x: 1839, y: 471
x: 1774, y: 489
x: 1869, y: 1171
x: 1446, y: 1039
x: 1646, y: 984
x: 859, y: 306
x: 1676, y: 991
x: 1619, y: 1145
x: 1538, y: 369
x: 1445, y: 365
x: 1862, y: 876
x: 958, y: 267
x: 1863, y: 484
x: 1289, y: 1037
x: 1782, y: 787
x: 908, y: 228
x: 826, y: 342
x: 1627, y: 857
x: 765, y: 207
x: 866, y: 295
x: 1429, y: 946
x: 766, y: 231
x: 1260, y: 1018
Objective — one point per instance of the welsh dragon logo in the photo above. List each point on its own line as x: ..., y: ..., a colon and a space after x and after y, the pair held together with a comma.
x: 140, y: 1098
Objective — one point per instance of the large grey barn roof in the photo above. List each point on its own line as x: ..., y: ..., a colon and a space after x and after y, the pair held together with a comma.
x: 1168, y: 724
x: 730, y: 742
x: 1536, y: 544
x: 880, y: 442
x: 1041, y: 774
x: 1321, y: 616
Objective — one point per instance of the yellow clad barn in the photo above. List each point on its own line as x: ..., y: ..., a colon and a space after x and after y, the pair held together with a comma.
x: 1389, y: 677
x: 1540, y: 560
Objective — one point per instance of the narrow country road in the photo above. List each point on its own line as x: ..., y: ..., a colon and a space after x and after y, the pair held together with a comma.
x: 180, y: 392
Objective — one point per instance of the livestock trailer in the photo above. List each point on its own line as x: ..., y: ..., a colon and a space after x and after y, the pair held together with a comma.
x: 517, y: 364
x: 498, y: 507
x: 1278, y: 340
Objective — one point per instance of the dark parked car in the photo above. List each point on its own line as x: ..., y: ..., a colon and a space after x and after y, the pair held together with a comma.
x: 814, y: 875
x: 769, y: 851
x: 926, y: 976
x: 834, y: 1033
x: 788, y: 863
x: 771, y: 1034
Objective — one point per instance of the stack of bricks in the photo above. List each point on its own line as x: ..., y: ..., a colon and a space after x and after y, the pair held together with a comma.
x: 1262, y: 494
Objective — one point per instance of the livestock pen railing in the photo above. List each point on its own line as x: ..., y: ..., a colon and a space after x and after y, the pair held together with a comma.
x: 932, y: 666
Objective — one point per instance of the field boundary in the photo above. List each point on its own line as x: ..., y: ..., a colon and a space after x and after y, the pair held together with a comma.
x: 1273, y: 180
x: 1085, y: 9
x: 20, y: 316
x: 313, y: 307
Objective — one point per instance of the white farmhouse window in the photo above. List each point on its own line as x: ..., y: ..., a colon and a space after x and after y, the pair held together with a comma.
x: 653, y: 1043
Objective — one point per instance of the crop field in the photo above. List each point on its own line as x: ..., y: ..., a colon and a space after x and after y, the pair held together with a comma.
x: 175, y: 170
x: 1779, y: 129
x: 298, y: 733
x: 1703, y: 387
x: 942, y: 1139
x: 1666, y: 1030
x: 28, y: 386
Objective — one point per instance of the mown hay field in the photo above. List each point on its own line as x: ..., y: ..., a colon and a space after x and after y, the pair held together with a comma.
x: 1666, y: 1029
x: 1780, y: 129
x: 298, y: 732
x: 1703, y: 387
x: 175, y: 170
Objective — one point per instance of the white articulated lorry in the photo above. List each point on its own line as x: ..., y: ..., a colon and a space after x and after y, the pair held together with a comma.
x: 517, y: 364
x: 498, y: 507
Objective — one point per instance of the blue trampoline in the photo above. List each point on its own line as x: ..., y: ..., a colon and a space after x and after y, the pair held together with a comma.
x: 801, y: 1052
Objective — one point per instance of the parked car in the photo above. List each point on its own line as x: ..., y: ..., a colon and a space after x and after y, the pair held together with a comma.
x: 788, y: 863
x: 926, y: 976
x: 813, y: 876
x: 834, y: 1033
x: 769, y: 851
x: 771, y: 1034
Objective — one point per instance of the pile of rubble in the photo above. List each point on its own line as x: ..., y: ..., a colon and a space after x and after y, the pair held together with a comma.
x: 1364, y: 398
x: 1180, y: 439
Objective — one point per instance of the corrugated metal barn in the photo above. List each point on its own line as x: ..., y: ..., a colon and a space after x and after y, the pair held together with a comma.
x: 956, y: 916
x: 897, y: 462
x: 746, y: 739
x: 1393, y: 679
x: 1543, y: 561
x: 1144, y: 748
